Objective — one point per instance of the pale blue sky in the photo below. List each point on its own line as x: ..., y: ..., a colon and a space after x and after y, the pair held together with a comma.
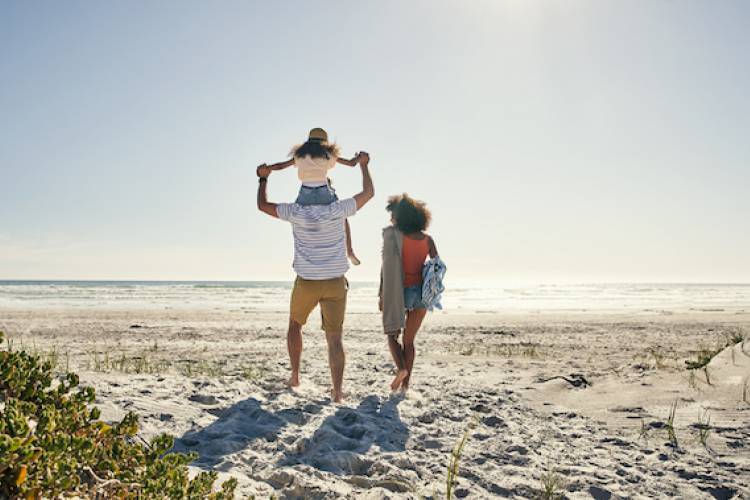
x: 555, y: 141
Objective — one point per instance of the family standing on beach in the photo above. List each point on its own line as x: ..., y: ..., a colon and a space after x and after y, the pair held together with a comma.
x: 411, y: 274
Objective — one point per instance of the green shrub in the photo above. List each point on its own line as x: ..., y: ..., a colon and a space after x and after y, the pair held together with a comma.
x: 53, y: 443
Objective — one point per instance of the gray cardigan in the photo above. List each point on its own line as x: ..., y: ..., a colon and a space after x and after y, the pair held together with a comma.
x: 392, y: 282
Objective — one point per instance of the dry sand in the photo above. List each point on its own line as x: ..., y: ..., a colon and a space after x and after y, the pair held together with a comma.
x: 221, y: 390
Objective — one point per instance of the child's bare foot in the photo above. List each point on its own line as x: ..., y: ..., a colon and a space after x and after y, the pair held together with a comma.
x: 353, y: 258
x: 400, y: 377
x: 293, y: 380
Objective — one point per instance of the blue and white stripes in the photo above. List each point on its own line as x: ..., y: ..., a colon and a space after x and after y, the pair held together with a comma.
x: 319, y: 237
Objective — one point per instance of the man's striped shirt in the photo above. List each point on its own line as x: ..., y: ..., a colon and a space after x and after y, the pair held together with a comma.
x: 319, y: 237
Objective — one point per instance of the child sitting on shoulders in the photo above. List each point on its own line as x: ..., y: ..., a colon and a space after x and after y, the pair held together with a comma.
x: 313, y: 159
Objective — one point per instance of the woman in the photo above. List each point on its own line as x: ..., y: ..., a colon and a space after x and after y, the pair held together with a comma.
x: 405, y: 249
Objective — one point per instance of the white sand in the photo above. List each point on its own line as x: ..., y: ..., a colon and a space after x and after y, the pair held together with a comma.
x: 482, y: 370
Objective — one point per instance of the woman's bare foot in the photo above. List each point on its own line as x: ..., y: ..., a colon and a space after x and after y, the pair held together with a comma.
x: 337, y: 397
x: 353, y: 258
x: 293, y: 380
x: 400, y: 377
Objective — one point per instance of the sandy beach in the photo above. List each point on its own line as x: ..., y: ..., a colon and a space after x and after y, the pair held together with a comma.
x: 576, y: 402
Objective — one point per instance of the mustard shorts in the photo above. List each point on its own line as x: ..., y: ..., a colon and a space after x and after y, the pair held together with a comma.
x: 330, y: 294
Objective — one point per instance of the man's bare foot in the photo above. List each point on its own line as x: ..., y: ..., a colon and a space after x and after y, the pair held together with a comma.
x: 400, y: 377
x: 354, y: 258
x: 337, y: 397
x: 293, y: 380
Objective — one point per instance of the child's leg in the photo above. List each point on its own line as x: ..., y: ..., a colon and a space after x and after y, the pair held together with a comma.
x: 349, y: 248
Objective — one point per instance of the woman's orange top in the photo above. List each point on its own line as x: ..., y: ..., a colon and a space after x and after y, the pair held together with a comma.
x: 413, y: 255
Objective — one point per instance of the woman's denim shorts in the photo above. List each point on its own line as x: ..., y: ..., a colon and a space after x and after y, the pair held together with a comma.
x: 413, y: 298
x: 320, y: 195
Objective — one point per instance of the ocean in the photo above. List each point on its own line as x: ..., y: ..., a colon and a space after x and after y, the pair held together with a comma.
x: 274, y: 296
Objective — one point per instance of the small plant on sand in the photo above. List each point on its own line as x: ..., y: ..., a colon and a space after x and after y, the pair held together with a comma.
x: 669, y: 426
x: 552, y: 484
x: 53, y: 445
x: 734, y: 338
x: 644, y: 434
x: 455, y: 459
x: 704, y: 428
x: 703, y: 357
x: 659, y: 358
x: 250, y: 372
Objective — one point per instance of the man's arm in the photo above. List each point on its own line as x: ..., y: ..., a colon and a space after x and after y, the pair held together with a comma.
x: 264, y: 205
x: 368, y: 190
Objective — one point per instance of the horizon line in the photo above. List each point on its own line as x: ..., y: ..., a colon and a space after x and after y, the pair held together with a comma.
x: 459, y: 282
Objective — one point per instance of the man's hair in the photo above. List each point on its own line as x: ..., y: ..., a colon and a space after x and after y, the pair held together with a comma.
x: 411, y: 215
x: 315, y: 149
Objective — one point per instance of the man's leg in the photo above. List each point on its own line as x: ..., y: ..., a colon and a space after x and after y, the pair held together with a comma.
x: 336, y: 360
x: 397, y: 353
x: 294, y: 345
x: 333, y: 310
x: 303, y: 301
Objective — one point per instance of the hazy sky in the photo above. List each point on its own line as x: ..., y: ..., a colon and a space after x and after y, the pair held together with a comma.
x: 554, y: 141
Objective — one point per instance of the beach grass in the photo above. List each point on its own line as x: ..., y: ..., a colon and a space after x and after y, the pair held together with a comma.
x: 658, y: 357
x: 511, y: 350
x: 147, y: 362
x: 552, y: 484
x: 669, y: 426
x: 643, y: 433
x: 704, y: 428
x: 704, y: 355
x: 455, y: 460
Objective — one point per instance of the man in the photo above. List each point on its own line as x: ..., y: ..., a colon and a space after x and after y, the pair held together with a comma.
x: 320, y: 261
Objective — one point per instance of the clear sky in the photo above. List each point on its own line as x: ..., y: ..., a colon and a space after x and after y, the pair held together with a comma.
x: 555, y: 141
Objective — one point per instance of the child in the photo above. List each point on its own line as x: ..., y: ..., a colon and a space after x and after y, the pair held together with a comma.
x: 313, y: 160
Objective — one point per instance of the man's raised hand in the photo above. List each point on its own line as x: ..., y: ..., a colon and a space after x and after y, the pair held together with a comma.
x: 364, y: 158
x: 263, y: 170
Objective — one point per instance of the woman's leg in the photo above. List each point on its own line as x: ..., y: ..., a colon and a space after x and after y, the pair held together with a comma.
x: 413, y: 322
x: 397, y: 352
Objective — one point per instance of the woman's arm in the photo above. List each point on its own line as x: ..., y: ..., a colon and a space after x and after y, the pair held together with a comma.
x: 282, y: 165
x: 349, y: 163
x: 433, y: 248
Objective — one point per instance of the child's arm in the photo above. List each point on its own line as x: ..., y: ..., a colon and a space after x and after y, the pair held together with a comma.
x: 282, y: 165
x: 349, y: 163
